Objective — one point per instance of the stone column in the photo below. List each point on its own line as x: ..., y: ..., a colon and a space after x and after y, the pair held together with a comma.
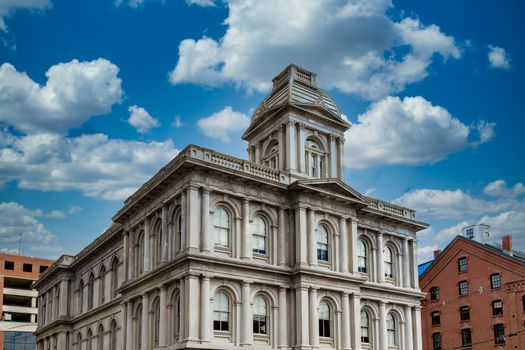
x: 246, y: 316
x: 282, y: 142
x: 145, y: 322
x: 291, y: 147
x: 257, y: 152
x: 301, y: 163
x: 205, y: 227
x: 300, y: 236
x: 343, y: 245
x: 333, y: 157
x: 64, y: 295
x: 282, y: 239
x: 302, y: 318
x: 183, y: 229
x: 419, y: 340
x: 312, y: 239
x: 341, y: 157
x: 282, y: 321
x: 413, y: 267
x: 314, y: 319
x: 345, y: 322
x: 182, y: 291
x: 380, y: 259
x: 192, y: 309
x: 409, y: 340
x: 353, y: 245
x: 193, y: 219
x: 147, y: 232
x: 335, y: 256
x: 163, y: 306
x: 165, y: 235
x: 125, y: 254
x: 356, y: 321
x: 129, y: 325
x: 382, y: 326
x: 246, y: 249
x: 131, y: 258
x: 61, y: 341
x: 205, y: 310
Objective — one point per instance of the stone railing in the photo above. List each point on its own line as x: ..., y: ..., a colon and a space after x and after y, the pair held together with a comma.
x: 391, y: 208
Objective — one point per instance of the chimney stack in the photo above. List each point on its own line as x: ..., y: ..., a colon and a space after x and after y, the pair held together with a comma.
x: 436, y: 253
x: 506, y: 243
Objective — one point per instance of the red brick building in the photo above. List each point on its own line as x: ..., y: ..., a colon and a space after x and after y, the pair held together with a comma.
x: 475, y: 297
x: 18, y: 299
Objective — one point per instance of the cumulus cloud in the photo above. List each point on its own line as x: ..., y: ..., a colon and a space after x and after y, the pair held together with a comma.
x: 221, y: 125
x: 498, y: 57
x: 95, y: 165
x: 141, y: 120
x: 74, y: 92
x: 411, y: 131
x: 369, y: 54
x: 16, y: 219
x: 8, y: 7
x: 499, y: 188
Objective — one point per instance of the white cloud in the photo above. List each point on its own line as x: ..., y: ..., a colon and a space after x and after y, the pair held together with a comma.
x: 498, y: 57
x: 202, y: 3
x: 141, y: 120
x: 411, y: 131
x: 177, y: 122
x: 95, y: 165
x: 499, y: 188
x: 8, y: 7
x: 222, y: 124
x: 15, y: 219
x: 74, y: 92
x: 370, y: 54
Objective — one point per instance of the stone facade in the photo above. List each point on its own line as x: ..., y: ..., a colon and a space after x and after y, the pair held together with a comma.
x: 216, y: 252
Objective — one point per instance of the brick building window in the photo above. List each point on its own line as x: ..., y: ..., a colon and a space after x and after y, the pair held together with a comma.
x: 523, y: 300
x: 464, y: 313
x: 436, y: 341
x: 9, y: 265
x: 463, y: 288
x: 28, y: 268
x: 434, y: 293
x: 495, y: 281
x: 436, y: 320
x: 466, y: 337
x: 42, y: 268
x: 462, y: 265
x: 499, y: 334
x: 497, y: 308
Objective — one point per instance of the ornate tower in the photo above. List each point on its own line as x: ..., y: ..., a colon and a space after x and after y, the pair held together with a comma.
x: 298, y: 128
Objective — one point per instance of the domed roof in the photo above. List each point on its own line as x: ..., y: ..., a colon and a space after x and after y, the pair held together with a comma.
x: 296, y: 86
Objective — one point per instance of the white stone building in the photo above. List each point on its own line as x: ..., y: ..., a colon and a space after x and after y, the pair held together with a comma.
x: 215, y: 252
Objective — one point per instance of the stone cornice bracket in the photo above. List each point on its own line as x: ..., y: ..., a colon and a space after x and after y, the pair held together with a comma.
x: 291, y: 123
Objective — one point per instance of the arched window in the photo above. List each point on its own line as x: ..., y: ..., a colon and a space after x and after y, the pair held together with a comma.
x: 80, y: 296
x: 260, y: 315
x: 391, y: 330
x: 389, y: 263
x: 259, y: 235
x: 156, y: 324
x: 176, y: 319
x: 91, y: 289
x: 362, y: 257
x: 139, y: 255
x: 365, y: 327
x: 271, y: 156
x: 114, y: 277
x: 322, y: 244
x: 89, y: 340
x: 113, y: 335
x: 50, y: 307
x: 315, y: 159
x: 221, y: 312
x: 100, y: 335
x: 102, y: 286
x: 79, y: 341
x: 178, y: 230
x: 159, y: 238
x: 221, y: 227
x: 137, y: 342
x: 325, y: 320
x: 44, y: 310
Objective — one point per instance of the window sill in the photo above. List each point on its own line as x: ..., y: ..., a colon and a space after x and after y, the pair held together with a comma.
x: 261, y: 338
x: 222, y: 249
x: 436, y: 325
x: 326, y: 341
x: 224, y: 335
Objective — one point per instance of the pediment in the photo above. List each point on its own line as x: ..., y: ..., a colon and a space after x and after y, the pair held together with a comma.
x: 332, y: 186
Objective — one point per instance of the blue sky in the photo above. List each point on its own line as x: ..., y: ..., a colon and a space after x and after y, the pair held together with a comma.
x: 96, y: 95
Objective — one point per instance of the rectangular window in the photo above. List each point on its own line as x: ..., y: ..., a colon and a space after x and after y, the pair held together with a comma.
x: 463, y: 288
x: 464, y: 313
x: 436, y: 340
x: 434, y: 293
x: 462, y: 265
x: 42, y: 268
x: 466, y: 338
x: 470, y: 233
x: 497, y: 308
x: 499, y: 334
x: 28, y: 268
x: 9, y: 265
x: 495, y: 281
x: 436, y: 320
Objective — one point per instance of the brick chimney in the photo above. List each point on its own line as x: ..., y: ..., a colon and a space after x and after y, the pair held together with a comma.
x: 506, y: 243
x: 436, y: 253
